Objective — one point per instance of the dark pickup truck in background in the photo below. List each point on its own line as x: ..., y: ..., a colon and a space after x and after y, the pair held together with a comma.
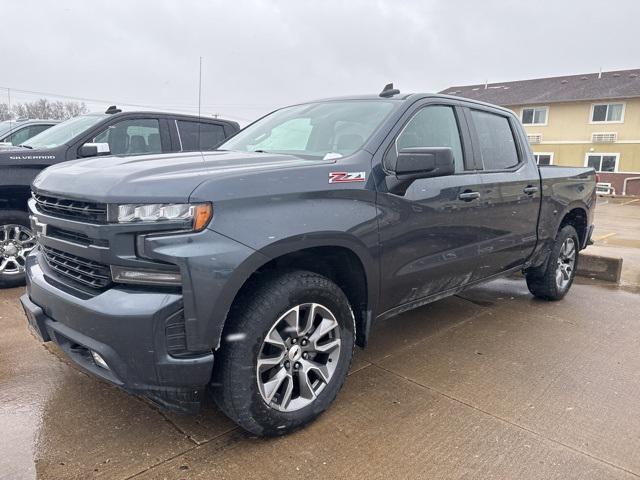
x: 252, y: 271
x: 113, y: 132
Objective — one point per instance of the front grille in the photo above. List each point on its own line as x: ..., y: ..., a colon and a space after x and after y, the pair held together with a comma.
x: 85, y: 272
x: 75, y: 237
x: 72, y: 209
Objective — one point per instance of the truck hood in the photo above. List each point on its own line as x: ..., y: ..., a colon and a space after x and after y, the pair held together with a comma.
x: 146, y: 178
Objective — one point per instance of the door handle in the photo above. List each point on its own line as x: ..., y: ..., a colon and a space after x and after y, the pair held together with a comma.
x: 469, y: 196
x: 530, y: 189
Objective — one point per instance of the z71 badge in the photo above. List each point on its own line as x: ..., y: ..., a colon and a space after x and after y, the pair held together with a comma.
x: 346, y: 177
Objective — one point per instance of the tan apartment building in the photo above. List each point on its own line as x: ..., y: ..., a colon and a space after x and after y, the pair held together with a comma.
x: 591, y: 119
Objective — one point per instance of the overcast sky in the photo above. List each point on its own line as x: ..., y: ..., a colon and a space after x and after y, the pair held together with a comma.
x: 259, y: 54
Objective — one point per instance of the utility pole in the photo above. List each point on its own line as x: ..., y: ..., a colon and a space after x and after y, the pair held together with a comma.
x: 10, y: 114
x: 200, y: 88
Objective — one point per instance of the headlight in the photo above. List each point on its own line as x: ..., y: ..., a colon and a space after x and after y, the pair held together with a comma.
x: 198, y: 214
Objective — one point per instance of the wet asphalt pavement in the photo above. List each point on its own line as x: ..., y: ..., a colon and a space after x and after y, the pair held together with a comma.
x: 488, y: 384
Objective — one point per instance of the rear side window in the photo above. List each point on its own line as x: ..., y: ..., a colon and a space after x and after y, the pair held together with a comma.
x: 496, y: 142
x: 196, y: 136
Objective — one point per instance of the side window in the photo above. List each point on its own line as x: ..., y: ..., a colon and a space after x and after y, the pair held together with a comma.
x: 210, y: 135
x: 19, y: 137
x: 497, y: 145
x: 132, y: 137
x: 25, y: 134
x: 433, y: 126
x: 36, y: 129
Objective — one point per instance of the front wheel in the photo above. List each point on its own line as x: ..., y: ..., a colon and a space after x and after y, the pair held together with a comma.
x: 285, y: 354
x: 16, y: 242
x: 556, y: 279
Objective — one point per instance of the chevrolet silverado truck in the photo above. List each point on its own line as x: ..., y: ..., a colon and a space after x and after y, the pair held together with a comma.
x: 113, y: 132
x: 250, y: 272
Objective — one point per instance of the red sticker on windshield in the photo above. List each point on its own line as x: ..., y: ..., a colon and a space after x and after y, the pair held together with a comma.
x: 346, y: 177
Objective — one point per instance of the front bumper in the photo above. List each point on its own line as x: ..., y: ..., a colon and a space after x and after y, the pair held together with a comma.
x: 131, y: 338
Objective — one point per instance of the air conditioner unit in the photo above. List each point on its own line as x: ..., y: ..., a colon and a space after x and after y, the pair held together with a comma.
x: 535, y: 138
x: 604, y: 137
x: 605, y: 189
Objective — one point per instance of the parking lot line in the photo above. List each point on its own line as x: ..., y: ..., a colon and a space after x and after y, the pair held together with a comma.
x: 631, y: 201
x: 602, y: 237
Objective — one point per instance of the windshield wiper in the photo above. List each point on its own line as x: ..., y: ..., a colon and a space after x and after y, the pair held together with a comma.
x: 260, y: 151
x: 25, y: 146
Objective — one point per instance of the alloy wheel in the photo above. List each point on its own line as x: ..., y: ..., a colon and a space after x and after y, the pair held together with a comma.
x: 566, y: 263
x: 298, y: 357
x: 16, y: 242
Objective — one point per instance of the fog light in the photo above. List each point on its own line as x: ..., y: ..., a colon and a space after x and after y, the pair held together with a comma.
x: 99, y: 360
x: 145, y: 277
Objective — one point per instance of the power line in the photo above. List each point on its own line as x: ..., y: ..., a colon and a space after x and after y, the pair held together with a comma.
x: 111, y: 101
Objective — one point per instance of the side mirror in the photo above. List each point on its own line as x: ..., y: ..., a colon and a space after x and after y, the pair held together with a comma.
x: 424, y: 162
x: 93, y: 150
x: 420, y: 162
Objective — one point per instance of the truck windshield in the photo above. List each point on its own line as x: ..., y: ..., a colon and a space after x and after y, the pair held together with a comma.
x: 63, y: 132
x: 331, y: 129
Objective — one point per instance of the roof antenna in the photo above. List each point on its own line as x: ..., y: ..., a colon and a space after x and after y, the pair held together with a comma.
x: 389, y: 91
x: 486, y: 84
x: 199, y: 100
x: 600, y: 73
x: 112, y: 109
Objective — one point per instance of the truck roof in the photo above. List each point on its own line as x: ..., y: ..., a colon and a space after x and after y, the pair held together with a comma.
x: 160, y: 113
x: 408, y: 97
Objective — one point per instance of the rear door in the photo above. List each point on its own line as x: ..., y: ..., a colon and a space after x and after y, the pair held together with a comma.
x: 510, y: 192
x: 429, y: 233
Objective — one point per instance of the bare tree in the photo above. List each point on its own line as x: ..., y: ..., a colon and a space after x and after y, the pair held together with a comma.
x: 5, y: 113
x: 43, y: 108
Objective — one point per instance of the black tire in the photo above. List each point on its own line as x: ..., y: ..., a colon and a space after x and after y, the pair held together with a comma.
x: 11, y: 217
x: 543, y: 283
x: 254, y: 315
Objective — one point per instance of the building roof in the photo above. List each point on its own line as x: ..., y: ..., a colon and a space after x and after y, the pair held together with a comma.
x: 571, y: 88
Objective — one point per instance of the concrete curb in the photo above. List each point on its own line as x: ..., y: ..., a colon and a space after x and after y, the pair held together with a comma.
x: 602, y: 268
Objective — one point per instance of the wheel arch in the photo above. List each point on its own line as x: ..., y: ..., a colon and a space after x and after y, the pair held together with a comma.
x: 340, y: 261
x: 578, y: 218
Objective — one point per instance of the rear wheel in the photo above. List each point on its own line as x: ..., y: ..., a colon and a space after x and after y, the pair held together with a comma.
x: 285, y: 354
x: 16, y: 242
x: 556, y: 279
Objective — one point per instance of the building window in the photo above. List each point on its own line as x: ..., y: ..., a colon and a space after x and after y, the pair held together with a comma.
x: 603, y: 162
x: 535, y: 115
x: 607, y: 113
x: 543, y: 158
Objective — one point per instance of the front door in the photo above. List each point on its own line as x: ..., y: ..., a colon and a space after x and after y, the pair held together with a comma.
x: 428, y: 233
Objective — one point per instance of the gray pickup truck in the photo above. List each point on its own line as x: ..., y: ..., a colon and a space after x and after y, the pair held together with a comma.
x: 252, y: 271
